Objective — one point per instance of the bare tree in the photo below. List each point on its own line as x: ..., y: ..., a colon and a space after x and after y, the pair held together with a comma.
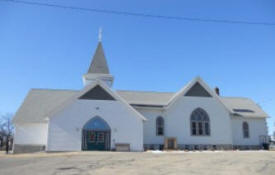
x: 6, y: 131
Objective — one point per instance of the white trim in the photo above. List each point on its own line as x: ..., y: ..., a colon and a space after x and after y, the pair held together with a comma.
x: 88, y: 88
x: 14, y: 119
x: 116, y: 96
x: 198, y: 79
x: 186, y: 88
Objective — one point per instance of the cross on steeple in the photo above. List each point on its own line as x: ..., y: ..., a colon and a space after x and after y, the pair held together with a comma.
x: 100, y: 34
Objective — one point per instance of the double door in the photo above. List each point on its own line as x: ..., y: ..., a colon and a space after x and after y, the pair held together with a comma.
x: 96, y: 140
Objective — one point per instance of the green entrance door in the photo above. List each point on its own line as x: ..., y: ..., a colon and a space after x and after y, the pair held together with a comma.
x: 96, y: 140
x: 96, y: 135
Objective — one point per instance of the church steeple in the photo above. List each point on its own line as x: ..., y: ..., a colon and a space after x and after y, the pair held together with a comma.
x: 99, y: 64
x: 98, y: 69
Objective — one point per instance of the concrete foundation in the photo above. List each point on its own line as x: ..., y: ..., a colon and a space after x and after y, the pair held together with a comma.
x: 27, y: 148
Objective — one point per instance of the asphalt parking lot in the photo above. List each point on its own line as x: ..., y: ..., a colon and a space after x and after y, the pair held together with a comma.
x: 108, y: 163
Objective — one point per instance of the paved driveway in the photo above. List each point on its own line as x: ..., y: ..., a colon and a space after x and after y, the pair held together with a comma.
x: 109, y: 163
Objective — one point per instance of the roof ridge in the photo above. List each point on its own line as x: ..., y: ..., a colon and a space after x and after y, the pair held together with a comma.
x: 143, y: 91
x: 48, y: 89
x: 236, y: 97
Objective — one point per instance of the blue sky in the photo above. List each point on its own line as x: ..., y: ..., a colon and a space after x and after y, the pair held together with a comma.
x: 42, y: 47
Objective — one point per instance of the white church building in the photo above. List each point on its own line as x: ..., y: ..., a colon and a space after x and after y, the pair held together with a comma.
x: 99, y: 117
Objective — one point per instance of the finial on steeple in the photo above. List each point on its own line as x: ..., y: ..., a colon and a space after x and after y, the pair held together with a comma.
x: 99, y: 63
x: 100, y: 34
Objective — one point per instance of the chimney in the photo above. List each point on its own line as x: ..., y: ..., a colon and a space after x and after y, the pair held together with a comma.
x: 217, y: 90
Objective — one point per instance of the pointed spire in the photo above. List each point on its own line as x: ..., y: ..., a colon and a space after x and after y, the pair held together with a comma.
x: 99, y: 64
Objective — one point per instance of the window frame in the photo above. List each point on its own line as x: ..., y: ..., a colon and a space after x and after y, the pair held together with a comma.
x: 159, y: 126
x: 200, y: 123
x: 246, y: 133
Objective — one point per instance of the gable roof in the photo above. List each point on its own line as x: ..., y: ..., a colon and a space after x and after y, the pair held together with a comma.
x: 230, y: 104
x: 104, y: 87
x: 39, y: 103
x: 145, y: 97
x: 197, y: 91
x: 243, y: 107
x: 97, y: 93
x: 162, y: 99
x: 99, y: 64
x: 189, y: 86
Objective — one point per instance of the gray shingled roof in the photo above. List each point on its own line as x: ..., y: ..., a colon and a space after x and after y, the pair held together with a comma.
x: 146, y: 98
x: 243, y: 107
x: 99, y: 64
x: 40, y: 102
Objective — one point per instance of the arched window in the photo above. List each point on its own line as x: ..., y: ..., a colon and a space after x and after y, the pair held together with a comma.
x: 97, y: 124
x: 200, y: 123
x: 245, y: 130
x: 160, y: 126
